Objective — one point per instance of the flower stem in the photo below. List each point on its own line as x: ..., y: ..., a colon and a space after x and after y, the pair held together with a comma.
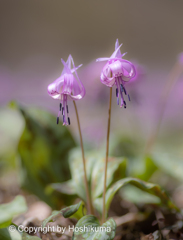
x: 106, y: 159
x: 89, y: 203
x: 173, y: 77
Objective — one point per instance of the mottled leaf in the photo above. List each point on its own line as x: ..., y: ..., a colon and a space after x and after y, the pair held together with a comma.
x: 9, y: 210
x: 115, y: 171
x: 135, y: 195
x: 95, y: 173
x: 43, y: 149
x: 151, y: 188
x: 25, y: 236
x: 71, y: 211
x: 76, y: 167
x: 89, y: 228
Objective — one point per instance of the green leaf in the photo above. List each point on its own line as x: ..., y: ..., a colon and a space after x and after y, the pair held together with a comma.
x: 148, y: 167
x: 65, y: 188
x: 89, y: 228
x: 71, y: 211
x: 12, y: 233
x: 9, y: 210
x: 169, y: 163
x: 10, y: 136
x: 43, y: 149
x: 25, y: 236
x: 133, y: 194
x: 6, y: 234
x: 95, y: 173
x: 77, y: 173
x: 116, y: 170
x: 151, y: 188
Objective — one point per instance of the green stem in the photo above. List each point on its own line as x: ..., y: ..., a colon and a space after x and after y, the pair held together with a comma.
x: 89, y: 203
x: 106, y: 159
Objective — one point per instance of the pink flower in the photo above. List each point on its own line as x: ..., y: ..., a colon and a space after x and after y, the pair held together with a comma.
x: 140, y: 72
x: 117, y: 71
x: 67, y: 86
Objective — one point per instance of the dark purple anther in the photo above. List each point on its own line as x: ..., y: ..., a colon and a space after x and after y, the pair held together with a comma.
x: 63, y: 118
x: 124, y: 90
x: 116, y: 92
x: 57, y: 120
x: 60, y: 106
x: 62, y: 110
x: 69, y: 121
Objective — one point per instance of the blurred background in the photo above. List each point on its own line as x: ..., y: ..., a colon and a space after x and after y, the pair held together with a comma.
x: 35, y: 35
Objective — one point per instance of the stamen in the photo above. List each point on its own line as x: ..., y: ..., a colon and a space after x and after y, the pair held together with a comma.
x: 128, y: 97
x: 116, y: 92
x: 69, y: 121
x: 62, y: 110
x: 121, y: 87
x: 124, y: 90
x: 118, y: 100
x: 57, y: 120
x: 121, y: 92
x: 67, y: 109
x: 124, y: 104
x: 60, y: 106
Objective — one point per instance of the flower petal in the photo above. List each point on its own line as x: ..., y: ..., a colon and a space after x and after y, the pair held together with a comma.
x: 117, y: 52
x: 102, y: 59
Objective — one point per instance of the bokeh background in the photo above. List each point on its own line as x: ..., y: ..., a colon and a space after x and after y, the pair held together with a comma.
x: 36, y: 34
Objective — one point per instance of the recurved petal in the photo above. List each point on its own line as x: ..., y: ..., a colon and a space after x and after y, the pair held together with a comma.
x: 78, y: 91
x: 117, y: 52
x: 116, y: 68
x: 51, y: 88
x: 76, y: 68
x: 52, y: 91
x: 102, y: 59
x: 106, y: 77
